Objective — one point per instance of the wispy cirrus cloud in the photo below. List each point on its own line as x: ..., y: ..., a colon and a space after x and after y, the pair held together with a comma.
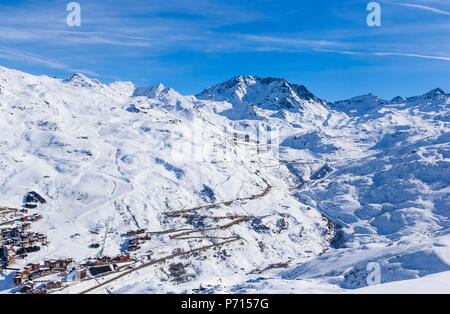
x: 295, y: 44
x: 414, y: 55
x: 156, y: 27
x: 14, y: 54
x: 418, y: 6
x: 292, y: 41
x: 401, y: 54
x: 122, y: 24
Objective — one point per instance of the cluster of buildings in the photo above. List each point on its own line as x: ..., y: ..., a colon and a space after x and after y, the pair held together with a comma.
x: 19, y: 241
x: 30, y: 288
x: 25, y: 277
x: 136, y: 238
x: 35, y: 271
x: 31, y: 272
x: 16, y: 241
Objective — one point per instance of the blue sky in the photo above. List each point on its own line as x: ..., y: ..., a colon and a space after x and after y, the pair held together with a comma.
x: 192, y: 44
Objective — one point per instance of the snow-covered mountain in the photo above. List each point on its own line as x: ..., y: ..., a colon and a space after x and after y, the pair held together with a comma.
x: 251, y: 186
x: 251, y: 96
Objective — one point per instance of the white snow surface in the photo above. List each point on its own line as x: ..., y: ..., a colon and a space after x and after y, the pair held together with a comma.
x: 357, y: 181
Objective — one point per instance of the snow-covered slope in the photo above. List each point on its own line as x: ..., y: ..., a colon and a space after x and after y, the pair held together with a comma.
x: 387, y: 192
x: 113, y: 158
x: 265, y: 183
x: 432, y: 284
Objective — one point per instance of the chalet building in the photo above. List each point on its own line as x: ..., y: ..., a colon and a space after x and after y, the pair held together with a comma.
x: 98, y: 261
x: 105, y: 259
x: 27, y: 287
x: 61, y: 263
x: 32, y: 267
x: 20, y: 277
x: 44, y: 270
x: 133, y: 233
x: 65, y: 263
x: 28, y: 268
x: 50, y: 263
x: 53, y: 285
x: 121, y: 259
x: 80, y: 273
